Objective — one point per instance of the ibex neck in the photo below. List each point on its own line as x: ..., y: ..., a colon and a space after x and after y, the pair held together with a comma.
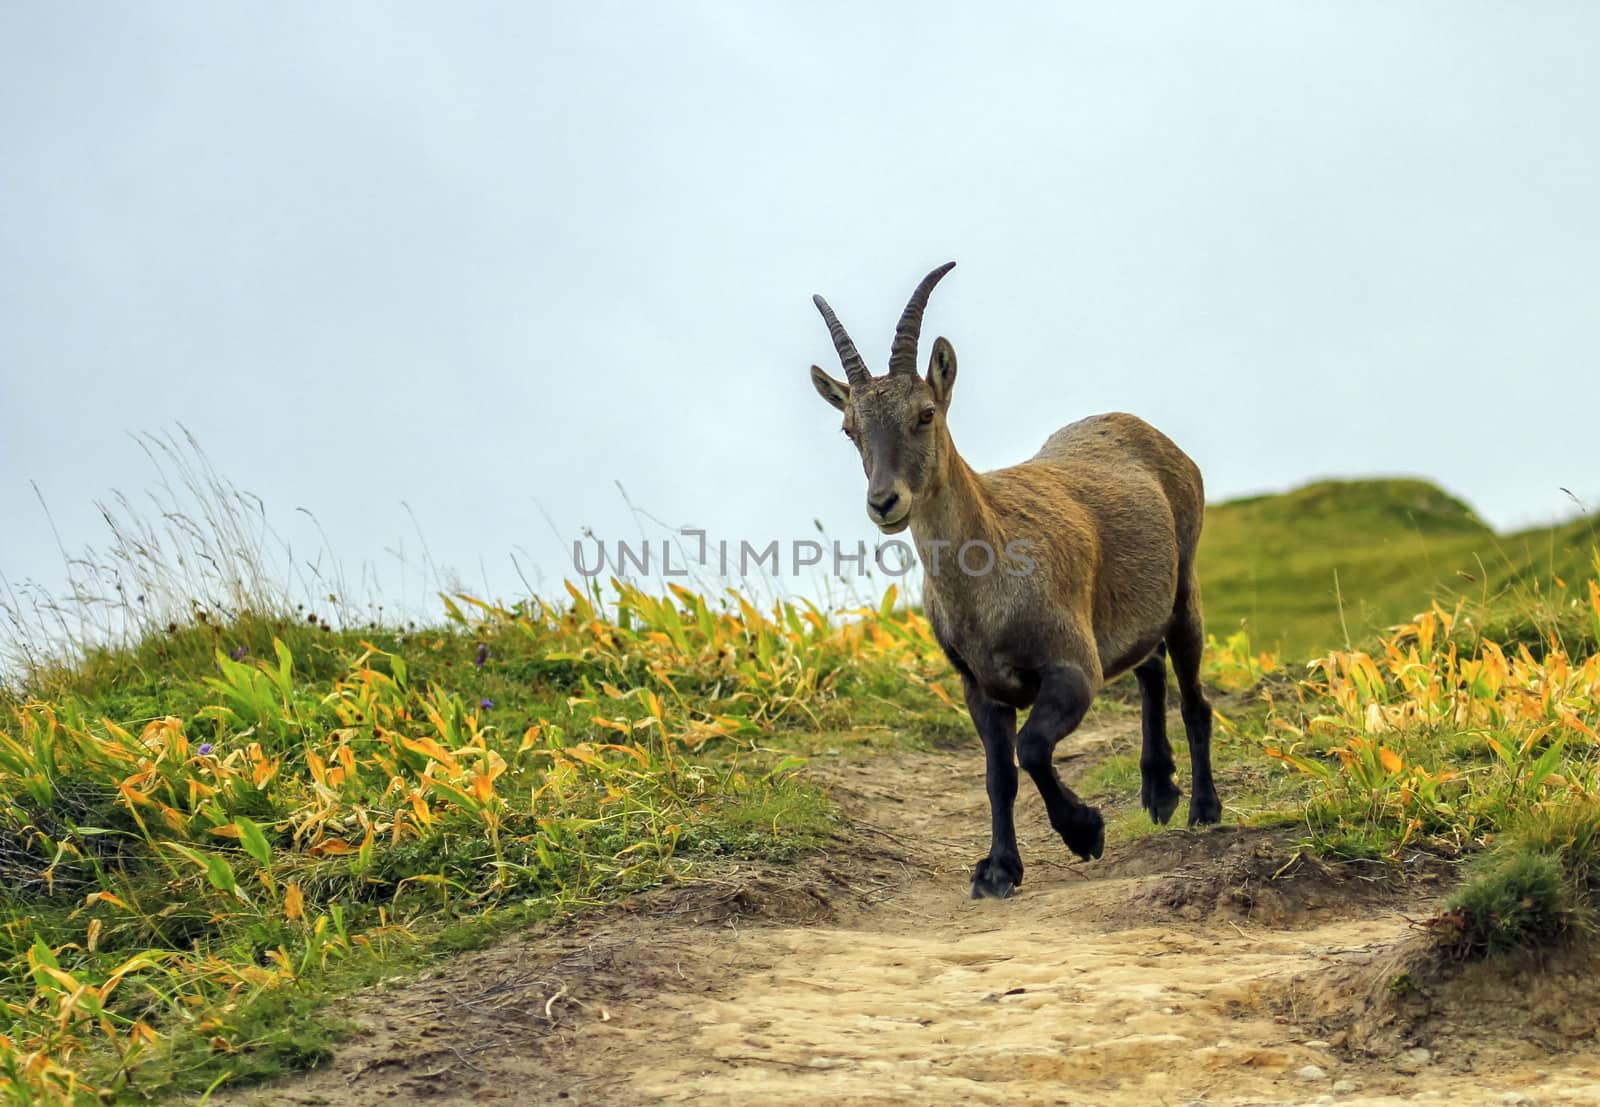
x: 953, y: 512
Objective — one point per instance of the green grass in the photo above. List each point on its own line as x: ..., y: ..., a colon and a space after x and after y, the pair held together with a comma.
x: 260, y: 813
x: 1326, y: 565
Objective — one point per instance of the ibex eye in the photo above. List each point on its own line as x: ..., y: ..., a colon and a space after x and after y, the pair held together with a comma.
x: 926, y: 417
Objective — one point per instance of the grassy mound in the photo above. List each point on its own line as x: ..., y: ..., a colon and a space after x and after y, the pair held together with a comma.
x: 1537, y: 888
x: 1328, y: 564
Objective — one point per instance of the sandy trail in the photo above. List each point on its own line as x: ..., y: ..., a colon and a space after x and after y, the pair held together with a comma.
x: 1182, y: 967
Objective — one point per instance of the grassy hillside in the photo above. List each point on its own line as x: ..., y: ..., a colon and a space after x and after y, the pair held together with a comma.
x: 1307, y: 570
x: 243, y: 810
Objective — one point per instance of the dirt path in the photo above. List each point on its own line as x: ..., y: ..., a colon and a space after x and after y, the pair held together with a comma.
x: 1183, y: 967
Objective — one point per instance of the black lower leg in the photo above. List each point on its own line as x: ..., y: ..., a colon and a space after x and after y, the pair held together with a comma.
x: 1064, y: 695
x: 1158, y: 792
x: 1205, y: 806
x: 1185, y: 642
x: 999, y: 872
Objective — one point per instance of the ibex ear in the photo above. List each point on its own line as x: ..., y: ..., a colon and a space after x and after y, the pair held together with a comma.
x: 835, y: 392
x: 942, y: 371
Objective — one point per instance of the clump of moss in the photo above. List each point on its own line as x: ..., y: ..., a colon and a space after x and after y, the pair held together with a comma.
x: 1534, y: 891
x: 1520, y: 901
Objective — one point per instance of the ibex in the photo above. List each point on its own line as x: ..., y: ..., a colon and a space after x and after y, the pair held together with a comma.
x: 1087, y: 552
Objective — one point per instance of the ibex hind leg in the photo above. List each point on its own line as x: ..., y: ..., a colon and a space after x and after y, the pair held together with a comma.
x: 1158, y: 792
x: 1185, y: 642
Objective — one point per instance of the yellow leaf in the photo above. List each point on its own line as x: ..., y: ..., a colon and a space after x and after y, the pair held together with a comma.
x: 263, y: 770
x: 584, y: 753
x: 293, y: 902
x: 1391, y: 760
x: 1574, y: 722
x: 68, y: 982
x: 132, y: 795
x: 143, y: 1032
x: 133, y: 964
x: 419, y: 806
x: 632, y: 751
x: 429, y: 748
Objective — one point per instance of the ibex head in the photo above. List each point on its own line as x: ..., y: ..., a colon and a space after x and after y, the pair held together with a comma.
x: 896, y: 421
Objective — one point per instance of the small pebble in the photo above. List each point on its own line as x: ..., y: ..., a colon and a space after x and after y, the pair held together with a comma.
x: 1313, y: 1072
x: 1319, y: 1044
x: 1517, y: 1098
x: 1413, y: 1060
x: 1345, y: 1087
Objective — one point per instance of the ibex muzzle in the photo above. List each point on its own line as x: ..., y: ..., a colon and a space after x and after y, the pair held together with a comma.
x: 1110, y: 510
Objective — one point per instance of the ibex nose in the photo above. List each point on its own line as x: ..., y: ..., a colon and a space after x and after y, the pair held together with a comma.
x: 883, y: 507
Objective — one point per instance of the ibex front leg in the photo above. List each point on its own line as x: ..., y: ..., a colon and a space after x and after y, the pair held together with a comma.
x: 1001, y: 871
x: 1064, y: 696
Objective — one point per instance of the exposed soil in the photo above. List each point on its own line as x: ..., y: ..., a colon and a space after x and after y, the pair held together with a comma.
x: 1218, y: 967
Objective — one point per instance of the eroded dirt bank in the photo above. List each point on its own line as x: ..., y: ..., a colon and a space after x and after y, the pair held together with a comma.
x: 1183, y: 967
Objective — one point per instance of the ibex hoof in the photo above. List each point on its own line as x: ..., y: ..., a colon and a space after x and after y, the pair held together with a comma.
x: 1204, y: 810
x: 1160, y: 797
x: 1087, y: 838
x: 996, y: 878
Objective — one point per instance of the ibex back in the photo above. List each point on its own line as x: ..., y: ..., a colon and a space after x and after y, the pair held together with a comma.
x: 1085, y: 569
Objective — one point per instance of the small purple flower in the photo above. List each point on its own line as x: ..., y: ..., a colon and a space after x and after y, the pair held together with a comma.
x: 204, y: 748
x: 237, y: 653
x: 482, y: 655
x: 486, y: 704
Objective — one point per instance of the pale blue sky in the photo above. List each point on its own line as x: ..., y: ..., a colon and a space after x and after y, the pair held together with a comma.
x: 477, y: 258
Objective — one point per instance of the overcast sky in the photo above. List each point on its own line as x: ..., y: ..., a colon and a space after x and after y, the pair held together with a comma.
x: 488, y: 261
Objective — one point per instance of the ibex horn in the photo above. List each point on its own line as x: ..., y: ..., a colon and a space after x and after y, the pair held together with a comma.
x: 903, y: 355
x: 855, y: 370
